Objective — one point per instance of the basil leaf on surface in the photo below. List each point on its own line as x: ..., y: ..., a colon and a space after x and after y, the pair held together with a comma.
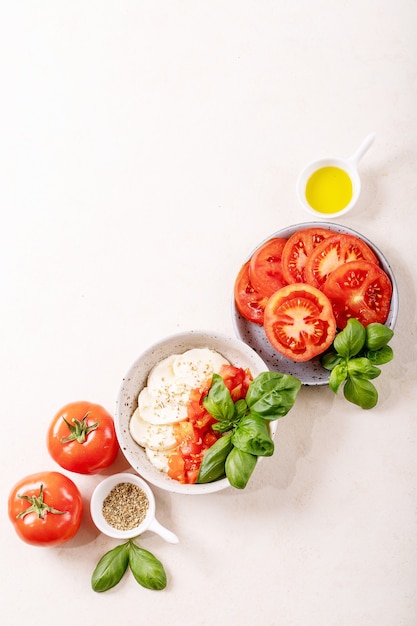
x: 272, y: 394
x: 351, y: 339
x: 213, y: 464
x: 239, y: 467
x: 360, y: 391
x: 147, y: 570
x: 218, y: 402
x: 252, y: 435
x: 111, y: 567
x: 377, y: 336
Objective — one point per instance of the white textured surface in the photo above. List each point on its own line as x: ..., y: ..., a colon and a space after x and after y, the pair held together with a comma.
x: 145, y: 148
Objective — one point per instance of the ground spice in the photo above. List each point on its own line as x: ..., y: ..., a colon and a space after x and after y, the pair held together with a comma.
x: 125, y: 507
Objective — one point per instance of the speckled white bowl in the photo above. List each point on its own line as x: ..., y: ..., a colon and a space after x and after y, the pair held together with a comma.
x: 234, y: 350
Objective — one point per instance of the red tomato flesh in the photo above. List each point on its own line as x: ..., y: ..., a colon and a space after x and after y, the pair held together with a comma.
x: 297, y: 251
x: 299, y: 322
x: 249, y: 302
x: 331, y: 253
x: 359, y: 289
x: 265, y: 268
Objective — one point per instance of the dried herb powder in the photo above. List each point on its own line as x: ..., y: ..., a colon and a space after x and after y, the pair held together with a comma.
x: 125, y: 507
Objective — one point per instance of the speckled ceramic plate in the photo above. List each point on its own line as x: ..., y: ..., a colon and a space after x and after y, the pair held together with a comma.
x: 310, y: 372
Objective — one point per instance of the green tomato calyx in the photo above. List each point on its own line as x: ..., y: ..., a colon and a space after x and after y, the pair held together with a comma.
x: 79, y: 429
x: 38, y: 506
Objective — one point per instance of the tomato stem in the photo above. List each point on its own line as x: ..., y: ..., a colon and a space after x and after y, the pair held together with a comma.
x: 80, y: 430
x: 38, y: 506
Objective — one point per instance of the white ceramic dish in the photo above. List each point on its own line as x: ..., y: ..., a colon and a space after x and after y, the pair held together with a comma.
x: 149, y: 523
x: 310, y: 372
x: 348, y: 165
x: 235, y: 351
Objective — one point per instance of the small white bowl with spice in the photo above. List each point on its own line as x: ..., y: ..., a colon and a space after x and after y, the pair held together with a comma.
x: 122, y: 506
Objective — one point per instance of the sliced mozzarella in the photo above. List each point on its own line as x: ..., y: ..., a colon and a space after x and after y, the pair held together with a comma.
x: 158, y: 458
x: 195, y: 366
x: 165, y: 398
x: 162, y: 374
x: 165, y: 407
x: 153, y: 436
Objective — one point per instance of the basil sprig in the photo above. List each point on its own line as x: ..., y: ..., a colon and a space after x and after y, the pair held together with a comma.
x: 147, y: 570
x: 245, y: 425
x: 354, y: 359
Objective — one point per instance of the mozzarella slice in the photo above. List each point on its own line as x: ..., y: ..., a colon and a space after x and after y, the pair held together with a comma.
x: 164, y: 400
x: 167, y: 406
x: 158, y: 458
x: 155, y: 437
x: 195, y: 366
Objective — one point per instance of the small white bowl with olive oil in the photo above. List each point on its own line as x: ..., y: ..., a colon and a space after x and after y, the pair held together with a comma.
x: 330, y: 186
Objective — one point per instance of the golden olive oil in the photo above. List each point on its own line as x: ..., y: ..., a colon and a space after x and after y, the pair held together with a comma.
x: 329, y: 190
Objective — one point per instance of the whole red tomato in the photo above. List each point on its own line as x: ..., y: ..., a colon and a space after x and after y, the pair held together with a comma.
x: 45, y: 509
x: 82, y: 438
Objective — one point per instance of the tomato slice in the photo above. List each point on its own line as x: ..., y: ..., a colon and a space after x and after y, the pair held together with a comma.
x: 249, y: 302
x: 265, y: 268
x: 359, y: 289
x: 332, y: 252
x: 297, y: 250
x: 299, y: 321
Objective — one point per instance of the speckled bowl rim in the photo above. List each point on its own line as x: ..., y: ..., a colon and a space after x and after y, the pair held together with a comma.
x: 310, y: 372
x: 236, y: 351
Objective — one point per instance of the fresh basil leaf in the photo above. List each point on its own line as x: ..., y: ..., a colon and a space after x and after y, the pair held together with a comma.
x: 377, y: 336
x: 351, y: 339
x: 252, y: 435
x: 239, y: 467
x: 110, y: 569
x: 272, y: 394
x: 338, y: 376
x: 213, y: 464
x: 241, y: 408
x: 330, y: 360
x: 360, y: 391
x: 361, y: 366
x: 218, y: 401
x: 147, y: 570
x: 381, y: 356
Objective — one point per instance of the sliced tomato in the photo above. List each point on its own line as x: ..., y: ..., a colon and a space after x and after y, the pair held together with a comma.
x: 299, y: 321
x: 359, y: 289
x: 265, y: 268
x: 249, y: 302
x: 335, y: 251
x: 297, y: 250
